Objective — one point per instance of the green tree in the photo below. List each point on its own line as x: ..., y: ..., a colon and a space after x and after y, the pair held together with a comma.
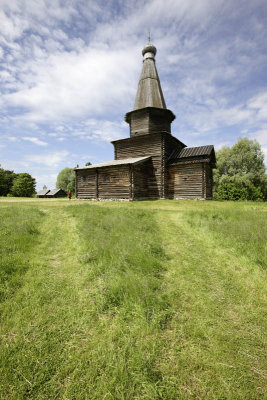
x: 23, y: 185
x: 88, y: 163
x: 240, y: 173
x: 66, y: 180
x: 6, y: 181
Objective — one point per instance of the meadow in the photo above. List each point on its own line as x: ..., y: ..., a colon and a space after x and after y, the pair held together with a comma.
x: 140, y: 300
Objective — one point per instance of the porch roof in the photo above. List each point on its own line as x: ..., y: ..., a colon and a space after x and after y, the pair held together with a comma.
x: 115, y: 162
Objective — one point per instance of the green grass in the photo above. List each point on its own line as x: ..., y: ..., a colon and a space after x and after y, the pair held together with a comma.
x: 145, y: 300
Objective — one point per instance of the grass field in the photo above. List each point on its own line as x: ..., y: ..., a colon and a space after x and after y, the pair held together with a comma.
x: 142, y: 300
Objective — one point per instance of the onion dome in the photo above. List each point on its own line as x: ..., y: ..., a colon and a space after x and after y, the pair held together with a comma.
x: 149, y: 51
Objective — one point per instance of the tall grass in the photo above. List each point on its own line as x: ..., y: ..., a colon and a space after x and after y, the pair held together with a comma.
x: 242, y: 230
x: 153, y: 300
x: 18, y: 234
x: 129, y: 310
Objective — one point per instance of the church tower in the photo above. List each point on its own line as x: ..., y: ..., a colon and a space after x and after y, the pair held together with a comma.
x: 150, y: 128
x: 150, y: 113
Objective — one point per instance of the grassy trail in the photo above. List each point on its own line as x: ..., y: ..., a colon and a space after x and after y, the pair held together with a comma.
x: 215, y: 348
x: 41, y: 314
x: 134, y: 301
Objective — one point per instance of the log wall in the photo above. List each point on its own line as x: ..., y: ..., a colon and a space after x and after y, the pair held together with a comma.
x: 186, y: 181
x: 142, y: 175
x: 86, y: 184
x: 148, y: 145
x: 209, y: 181
x: 104, y: 183
x: 149, y: 120
x: 139, y: 124
x: 172, y: 146
x: 114, y: 182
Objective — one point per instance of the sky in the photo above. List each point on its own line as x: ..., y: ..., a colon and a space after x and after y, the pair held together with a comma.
x: 69, y: 72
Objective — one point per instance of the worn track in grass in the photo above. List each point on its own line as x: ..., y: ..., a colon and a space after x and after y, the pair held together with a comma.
x: 108, y: 309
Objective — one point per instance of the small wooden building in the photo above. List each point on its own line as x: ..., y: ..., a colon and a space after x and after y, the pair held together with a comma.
x: 42, y: 193
x: 55, y: 193
x: 151, y: 163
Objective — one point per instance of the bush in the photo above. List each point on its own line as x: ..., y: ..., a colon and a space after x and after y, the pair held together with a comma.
x: 230, y: 191
x: 23, y: 185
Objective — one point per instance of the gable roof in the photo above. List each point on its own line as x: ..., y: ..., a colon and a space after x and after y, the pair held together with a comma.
x: 55, y: 191
x: 43, y: 192
x: 115, y: 162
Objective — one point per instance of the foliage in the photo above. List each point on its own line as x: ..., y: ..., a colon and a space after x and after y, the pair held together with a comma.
x: 6, y: 181
x: 145, y: 300
x: 44, y: 187
x: 240, y: 173
x: 66, y: 180
x: 232, y: 191
x: 23, y: 185
x: 88, y: 163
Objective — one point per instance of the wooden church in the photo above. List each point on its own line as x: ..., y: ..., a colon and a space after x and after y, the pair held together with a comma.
x: 151, y: 163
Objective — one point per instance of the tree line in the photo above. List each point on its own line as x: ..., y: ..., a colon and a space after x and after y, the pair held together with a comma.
x: 17, y: 185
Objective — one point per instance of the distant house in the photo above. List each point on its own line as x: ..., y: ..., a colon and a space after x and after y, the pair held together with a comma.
x: 56, y: 193
x: 42, y: 193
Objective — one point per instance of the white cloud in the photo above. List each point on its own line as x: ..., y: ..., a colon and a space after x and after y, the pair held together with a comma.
x: 34, y: 140
x: 70, y: 85
x: 50, y: 159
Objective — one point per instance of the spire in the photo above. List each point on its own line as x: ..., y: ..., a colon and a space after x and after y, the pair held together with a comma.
x: 149, y: 93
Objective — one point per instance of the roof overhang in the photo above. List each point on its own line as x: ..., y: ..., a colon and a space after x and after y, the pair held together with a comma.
x: 125, y: 161
x: 153, y: 111
x: 130, y: 139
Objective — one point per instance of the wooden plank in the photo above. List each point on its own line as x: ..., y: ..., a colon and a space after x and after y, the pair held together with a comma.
x: 185, y: 181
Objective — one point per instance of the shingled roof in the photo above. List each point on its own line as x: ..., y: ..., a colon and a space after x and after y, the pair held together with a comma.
x: 196, y: 151
x: 149, y: 92
x: 54, y: 191
x: 194, y: 154
x: 43, y: 192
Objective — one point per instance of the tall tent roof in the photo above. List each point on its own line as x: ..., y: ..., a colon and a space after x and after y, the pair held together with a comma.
x: 149, y: 92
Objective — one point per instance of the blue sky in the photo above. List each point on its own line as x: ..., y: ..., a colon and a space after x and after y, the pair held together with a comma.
x: 69, y: 72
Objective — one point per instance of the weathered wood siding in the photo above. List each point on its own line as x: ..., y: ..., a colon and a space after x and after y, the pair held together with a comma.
x: 86, y: 184
x: 159, y: 146
x: 172, y: 146
x: 114, y: 182
x: 148, y: 145
x: 104, y: 183
x: 139, y: 146
x: 139, y: 124
x: 150, y: 120
x: 186, y: 181
x: 142, y: 176
x: 209, y: 181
